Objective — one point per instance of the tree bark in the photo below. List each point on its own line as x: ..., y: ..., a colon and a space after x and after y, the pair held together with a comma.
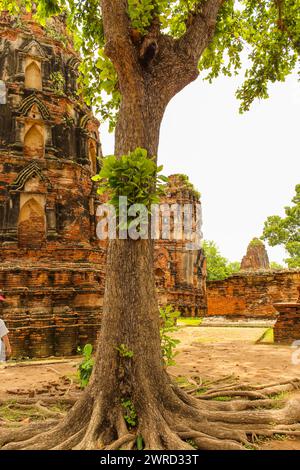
x: 130, y: 314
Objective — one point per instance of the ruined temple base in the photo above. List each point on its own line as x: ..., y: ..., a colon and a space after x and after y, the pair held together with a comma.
x: 287, y: 327
x: 51, y: 310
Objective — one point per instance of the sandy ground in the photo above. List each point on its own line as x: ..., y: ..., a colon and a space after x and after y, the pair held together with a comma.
x: 34, y: 377
x: 214, y: 352
x: 209, y: 352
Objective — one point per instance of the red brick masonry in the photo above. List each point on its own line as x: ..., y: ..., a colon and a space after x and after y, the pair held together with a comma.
x: 252, y: 294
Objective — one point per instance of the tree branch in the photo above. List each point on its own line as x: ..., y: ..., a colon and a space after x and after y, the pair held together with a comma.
x: 119, y: 47
x: 201, y: 29
x: 177, y: 62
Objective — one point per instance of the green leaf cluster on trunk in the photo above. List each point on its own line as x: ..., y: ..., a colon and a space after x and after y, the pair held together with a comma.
x: 134, y: 176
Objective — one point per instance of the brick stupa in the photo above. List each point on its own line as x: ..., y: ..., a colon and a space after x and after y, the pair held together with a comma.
x: 256, y: 257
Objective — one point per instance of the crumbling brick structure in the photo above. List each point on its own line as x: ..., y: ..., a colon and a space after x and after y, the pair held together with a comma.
x: 252, y: 294
x: 180, y: 270
x: 51, y: 261
x: 52, y: 266
x: 256, y: 257
x: 287, y: 326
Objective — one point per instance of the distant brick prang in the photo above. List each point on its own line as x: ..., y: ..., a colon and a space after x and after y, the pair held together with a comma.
x: 256, y: 257
x: 52, y: 265
x: 252, y: 294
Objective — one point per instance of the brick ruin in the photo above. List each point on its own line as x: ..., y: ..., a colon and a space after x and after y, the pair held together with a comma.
x: 52, y: 263
x: 180, y: 271
x: 256, y: 256
x: 287, y: 326
x: 252, y: 292
x: 251, y: 295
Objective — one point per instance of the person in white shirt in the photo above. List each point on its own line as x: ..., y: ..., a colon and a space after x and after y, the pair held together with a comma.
x: 5, y: 348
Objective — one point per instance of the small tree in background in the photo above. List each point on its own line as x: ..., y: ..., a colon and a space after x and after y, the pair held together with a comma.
x: 285, y: 231
x: 218, y: 267
x: 276, y: 266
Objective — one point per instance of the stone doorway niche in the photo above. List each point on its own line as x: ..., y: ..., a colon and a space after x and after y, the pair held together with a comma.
x: 189, y: 261
x: 34, y: 141
x: 32, y: 221
x: 32, y: 216
x: 33, y: 74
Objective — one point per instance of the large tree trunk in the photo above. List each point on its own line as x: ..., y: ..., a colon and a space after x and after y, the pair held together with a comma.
x: 131, y: 315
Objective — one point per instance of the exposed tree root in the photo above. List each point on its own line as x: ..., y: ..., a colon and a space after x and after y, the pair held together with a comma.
x: 43, y: 400
x: 126, y: 439
x: 252, y: 392
x: 181, y: 421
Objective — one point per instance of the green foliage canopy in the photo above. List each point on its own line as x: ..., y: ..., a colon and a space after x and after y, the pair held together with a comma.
x: 286, y: 231
x: 276, y: 266
x: 264, y: 32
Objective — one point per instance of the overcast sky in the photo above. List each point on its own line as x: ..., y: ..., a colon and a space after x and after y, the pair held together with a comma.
x: 245, y: 166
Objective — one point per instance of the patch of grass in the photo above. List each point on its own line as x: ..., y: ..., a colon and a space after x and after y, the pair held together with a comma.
x: 275, y: 437
x: 201, y: 390
x: 15, y: 413
x: 249, y: 446
x: 192, y: 443
x: 191, y: 321
x: 281, y: 437
x: 182, y: 380
x: 11, y: 412
x: 222, y: 398
x: 267, y: 336
x: 59, y: 407
x: 279, y: 396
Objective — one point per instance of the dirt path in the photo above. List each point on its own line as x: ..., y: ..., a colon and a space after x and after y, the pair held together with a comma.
x: 213, y: 352
x: 34, y: 377
x: 209, y: 352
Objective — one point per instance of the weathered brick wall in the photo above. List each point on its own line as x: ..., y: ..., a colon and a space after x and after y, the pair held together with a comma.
x: 51, y: 310
x: 287, y: 326
x: 252, y: 294
x: 181, y: 271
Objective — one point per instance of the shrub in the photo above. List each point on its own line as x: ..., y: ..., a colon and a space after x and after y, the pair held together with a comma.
x: 168, y: 318
x: 85, y: 368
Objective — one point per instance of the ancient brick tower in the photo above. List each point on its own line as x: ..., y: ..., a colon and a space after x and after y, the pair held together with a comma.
x: 180, y: 271
x: 52, y: 266
x: 51, y: 261
x: 256, y: 257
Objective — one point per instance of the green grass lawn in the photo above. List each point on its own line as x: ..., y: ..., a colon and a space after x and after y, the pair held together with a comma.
x: 267, y: 337
x: 191, y: 321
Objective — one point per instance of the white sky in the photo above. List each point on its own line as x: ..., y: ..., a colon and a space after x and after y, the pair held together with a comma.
x: 245, y: 166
